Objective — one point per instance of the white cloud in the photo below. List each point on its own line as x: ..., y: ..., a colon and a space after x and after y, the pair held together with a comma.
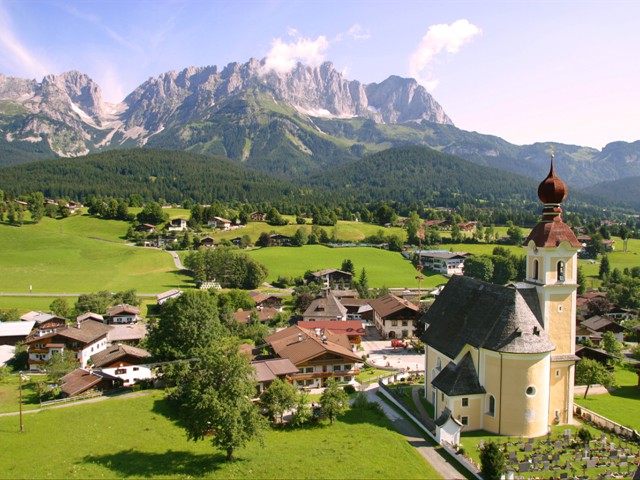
x: 283, y: 56
x: 439, y: 38
x: 15, y: 56
x: 357, y: 32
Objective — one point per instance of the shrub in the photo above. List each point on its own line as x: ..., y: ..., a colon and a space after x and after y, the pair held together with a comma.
x: 349, y: 389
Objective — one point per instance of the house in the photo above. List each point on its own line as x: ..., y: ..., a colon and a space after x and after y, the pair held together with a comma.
x: 122, y: 314
x: 96, y: 317
x: 325, y: 308
x: 601, y: 325
x: 353, y: 329
x: 267, y: 300
x: 394, y: 317
x: 358, y: 309
x: 268, y: 370
x: 502, y: 358
x: 584, y: 334
x: 45, y: 322
x: 162, y: 298
x: 220, y: 223
x: 468, y: 226
x: 130, y: 334
x: 596, y: 354
x: 262, y: 314
x: 317, y: 355
x: 84, y: 340
x: 333, y: 278
x: 257, y: 216
x: 81, y: 381
x: 208, y: 242
x: 443, y: 261
x: 177, y: 225
x: 124, y: 362
x: 146, y: 228
x: 279, y: 240
x: 12, y: 333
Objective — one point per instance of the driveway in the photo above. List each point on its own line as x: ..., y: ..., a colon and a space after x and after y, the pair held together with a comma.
x: 380, y: 353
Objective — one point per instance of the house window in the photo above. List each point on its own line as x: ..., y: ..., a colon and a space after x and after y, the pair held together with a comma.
x: 464, y: 420
x: 121, y: 371
x: 492, y: 405
x: 347, y: 379
x: 135, y: 369
x: 534, y: 273
x: 465, y: 402
x: 404, y: 323
x: 337, y: 368
x: 394, y: 323
x: 308, y: 370
x: 560, y: 271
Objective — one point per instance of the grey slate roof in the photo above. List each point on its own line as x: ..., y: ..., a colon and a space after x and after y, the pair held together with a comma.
x: 460, y: 379
x: 444, y: 416
x: 483, y: 315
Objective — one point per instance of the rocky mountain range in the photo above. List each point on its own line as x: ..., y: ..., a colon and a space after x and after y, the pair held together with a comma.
x: 294, y: 123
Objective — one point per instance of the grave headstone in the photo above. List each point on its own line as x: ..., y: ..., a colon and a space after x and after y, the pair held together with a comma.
x: 524, y: 467
x: 545, y: 465
x: 557, y: 445
x: 528, y: 447
x: 555, y: 457
x: 564, y: 475
x: 567, y: 465
x: 592, y: 462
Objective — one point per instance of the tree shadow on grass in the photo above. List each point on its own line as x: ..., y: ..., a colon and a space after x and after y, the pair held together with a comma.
x: 165, y: 408
x: 133, y: 463
x: 627, y: 391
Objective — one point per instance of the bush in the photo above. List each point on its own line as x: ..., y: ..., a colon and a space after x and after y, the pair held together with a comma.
x: 349, y: 389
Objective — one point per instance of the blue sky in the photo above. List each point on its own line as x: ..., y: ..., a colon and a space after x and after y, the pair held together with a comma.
x: 527, y: 71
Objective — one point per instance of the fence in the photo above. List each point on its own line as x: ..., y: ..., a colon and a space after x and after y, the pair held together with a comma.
x: 71, y: 399
x: 603, y: 422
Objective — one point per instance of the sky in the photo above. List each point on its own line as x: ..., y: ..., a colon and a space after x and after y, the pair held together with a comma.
x: 527, y: 71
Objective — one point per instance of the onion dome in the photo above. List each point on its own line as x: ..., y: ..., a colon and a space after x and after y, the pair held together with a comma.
x: 552, y: 189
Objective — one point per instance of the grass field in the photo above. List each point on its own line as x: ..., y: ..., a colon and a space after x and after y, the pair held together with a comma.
x: 383, y: 268
x: 622, y: 404
x: 80, y: 254
x: 138, y: 437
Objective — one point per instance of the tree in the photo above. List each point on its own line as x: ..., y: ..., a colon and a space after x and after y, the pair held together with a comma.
x: 362, y: 285
x: 590, y: 372
x: 36, y: 206
x: 503, y: 269
x: 605, y: 268
x: 273, y: 217
x: 626, y: 293
x: 59, y: 365
x: 515, y: 233
x: 151, y: 213
x: 279, y: 397
x: 334, y: 401
x: 214, y: 399
x: 11, y: 315
x: 456, y: 233
x: 60, y: 307
x: 347, y: 266
x: 611, y: 345
x: 130, y: 297
x: 491, y: 461
x: 187, y: 324
x: 93, y: 302
x: 598, y: 306
x: 300, y: 238
x: 264, y: 240
x: 232, y: 268
x: 582, y: 281
x: 413, y: 228
x: 480, y: 267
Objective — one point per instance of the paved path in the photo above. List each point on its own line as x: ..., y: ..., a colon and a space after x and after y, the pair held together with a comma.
x: 176, y: 260
x: 415, y: 438
x: 424, y: 416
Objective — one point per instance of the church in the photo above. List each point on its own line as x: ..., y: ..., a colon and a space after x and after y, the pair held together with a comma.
x: 502, y: 358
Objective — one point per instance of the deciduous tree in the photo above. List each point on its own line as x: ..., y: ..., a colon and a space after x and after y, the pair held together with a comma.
x: 334, y: 401
x: 590, y: 372
x: 279, y: 397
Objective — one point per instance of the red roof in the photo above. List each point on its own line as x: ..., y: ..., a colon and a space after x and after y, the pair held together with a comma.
x: 348, y: 327
x: 552, y: 234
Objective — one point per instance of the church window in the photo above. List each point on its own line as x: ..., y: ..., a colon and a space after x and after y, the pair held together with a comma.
x: 464, y: 420
x: 531, y: 391
x: 439, y: 363
x: 560, y: 309
x: 560, y: 271
x: 557, y: 373
x: 534, y: 273
x: 465, y: 402
x: 492, y: 405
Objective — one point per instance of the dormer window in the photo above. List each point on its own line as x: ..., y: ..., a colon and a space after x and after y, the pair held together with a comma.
x: 560, y: 271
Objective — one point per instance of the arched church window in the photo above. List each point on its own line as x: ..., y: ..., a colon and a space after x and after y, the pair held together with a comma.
x: 492, y: 405
x: 439, y: 364
x: 534, y: 273
x: 560, y: 271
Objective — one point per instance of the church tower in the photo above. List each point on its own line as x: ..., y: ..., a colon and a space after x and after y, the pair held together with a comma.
x: 552, y: 267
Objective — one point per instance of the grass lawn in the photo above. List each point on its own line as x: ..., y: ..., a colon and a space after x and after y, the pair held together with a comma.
x: 622, y: 404
x: 138, y: 437
x: 81, y: 254
x: 383, y: 268
x: 26, y: 304
x: 10, y: 395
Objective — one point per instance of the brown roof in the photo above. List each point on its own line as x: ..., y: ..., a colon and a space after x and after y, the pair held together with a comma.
x: 268, y: 370
x: 81, y: 380
x: 389, y: 304
x: 86, y: 333
x: 264, y: 314
x: 552, y: 234
x: 346, y: 327
x: 598, y: 323
x: 90, y: 316
x: 127, y: 333
x: 260, y: 297
x: 123, y: 308
x: 116, y: 352
x: 301, y: 345
x: 328, y: 306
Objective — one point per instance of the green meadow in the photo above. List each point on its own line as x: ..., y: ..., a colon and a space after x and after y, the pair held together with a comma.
x: 140, y: 438
x: 80, y: 254
x: 383, y: 268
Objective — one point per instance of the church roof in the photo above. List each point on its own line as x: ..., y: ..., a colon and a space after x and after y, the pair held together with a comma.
x: 483, y: 315
x: 551, y: 234
x: 460, y: 379
x: 444, y: 416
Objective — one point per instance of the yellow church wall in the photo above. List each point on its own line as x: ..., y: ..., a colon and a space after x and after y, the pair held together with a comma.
x: 473, y: 411
x: 523, y: 414
x: 559, y: 393
x: 490, y: 379
x: 561, y: 322
x: 432, y: 357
